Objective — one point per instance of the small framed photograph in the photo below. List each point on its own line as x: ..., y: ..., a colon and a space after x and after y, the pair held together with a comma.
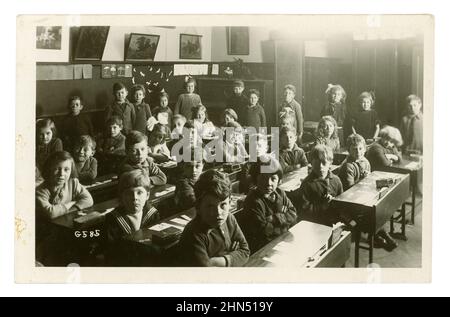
x: 238, y: 40
x: 141, y: 47
x: 48, y: 37
x: 91, y: 43
x: 190, y: 46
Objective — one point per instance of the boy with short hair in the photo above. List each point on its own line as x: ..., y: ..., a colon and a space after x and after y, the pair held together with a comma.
x: 121, y: 107
x: 268, y: 212
x: 290, y: 103
x: 184, y: 191
x: 134, y: 213
x: 238, y: 101
x: 141, y: 109
x: 213, y: 237
x: 85, y: 163
x: 75, y: 123
x: 319, y: 187
x: 291, y: 156
x: 137, y: 158
x: 411, y: 125
x: 355, y: 167
x: 114, y: 143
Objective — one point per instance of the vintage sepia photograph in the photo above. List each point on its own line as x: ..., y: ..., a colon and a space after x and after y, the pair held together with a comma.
x: 312, y: 150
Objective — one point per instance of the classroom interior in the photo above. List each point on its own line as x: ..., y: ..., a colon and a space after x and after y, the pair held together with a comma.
x: 387, y: 62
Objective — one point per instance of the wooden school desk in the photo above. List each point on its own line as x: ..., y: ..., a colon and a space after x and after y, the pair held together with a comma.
x: 414, y: 168
x: 371, y: 208
x: 157, y: 194
x: 103, y: 188
x: 305, y: 246
x: 164, y: 253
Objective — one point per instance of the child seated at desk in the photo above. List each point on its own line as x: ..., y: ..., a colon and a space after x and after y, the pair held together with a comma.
x: 184, y: 191
x: 258, y: 147
x: 319, y: 188
x: 327, y: 133
x: 268, y: 212
x: 157, y: 144
x: 61, y: 192
x: 178, y: 123
x: 355, y: 167
x: 287, y: 118
x: 291, y: 156
x: 85, y: 163
x: 76, y: 123
x: 385, y: 152
x: 134, y: 213
x: 234, y: 143
x: 47, y: 141
x: 213, y: 237
x: 229, y: 115
x: 137, y: 158
x: 114, y: 143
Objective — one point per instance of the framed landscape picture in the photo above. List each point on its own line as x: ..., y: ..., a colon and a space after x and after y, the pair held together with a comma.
x: 48, y: 37
x: 238, y: 40
x: 141, y: 47
x: 91, y: 43
x: 190, y: 46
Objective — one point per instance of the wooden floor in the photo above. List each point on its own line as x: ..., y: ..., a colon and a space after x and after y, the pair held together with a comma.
x: 408, y: 254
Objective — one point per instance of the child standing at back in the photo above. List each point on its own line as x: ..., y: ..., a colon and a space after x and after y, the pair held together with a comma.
x: 76, y: 123
x: 141, y: 109
x: 121, y: 107
x: 411, y: 125
x: 238, y: 101
x: 188, y: 100
x: 85, y: 163
x: 256, y: 117
x: 336, y: 104
x: 365, y: 121
x: 290, y: 103
x: 47, y: 141
x: 163, y: 113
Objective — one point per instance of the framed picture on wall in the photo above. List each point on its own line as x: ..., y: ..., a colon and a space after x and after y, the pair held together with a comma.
x: 190, y: 46
x: 141, y: 47
x: 48, y: 37
x: 238, y: 40
x: 91, y: 43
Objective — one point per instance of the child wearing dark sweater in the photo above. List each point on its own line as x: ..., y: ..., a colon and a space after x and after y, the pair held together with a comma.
x: 268, y: 212
x: 411, y: 125
x: 238, y: 102
x: 385, y: 152
x: 255, y: 115
x: 213, y: 237
x: 319, y: 188
x: 184, y: 191
x: 141, y: 109
x: 76, y: 123
x: 121, y: 107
